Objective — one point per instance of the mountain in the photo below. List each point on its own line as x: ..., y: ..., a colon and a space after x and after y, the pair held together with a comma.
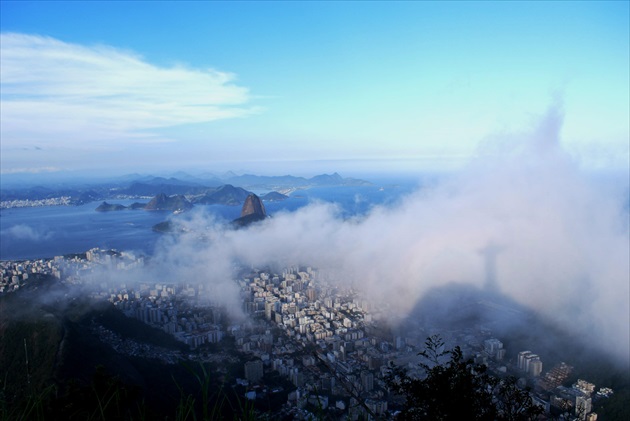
x: 336, y: 180
x: 263, y: 180
x: 157, y: 185
x: 253, y: 211
x: 208, y: 188
x: 32, y: 193
x: 172, y: 203
x: 290, y: 181
x: 205, y: 179
x: 53, y: 334
x: 224, y: 195
x: 107, y: 207
x: 137, y: 205
x: 161, y: 181
x: 274, y: 196
x: 327, y: 180
x: 253, y: 206
x: 86, y: 197
x: 165, y: 227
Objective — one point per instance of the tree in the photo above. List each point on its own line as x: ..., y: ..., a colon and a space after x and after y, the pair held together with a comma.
x: 514, y: 403
x: 454, y: 389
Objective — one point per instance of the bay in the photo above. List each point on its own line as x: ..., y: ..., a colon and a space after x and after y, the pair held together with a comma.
x: 48, y: 231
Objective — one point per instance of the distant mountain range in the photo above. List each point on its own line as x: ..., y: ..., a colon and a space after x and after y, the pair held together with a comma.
x: 164, y: 202
x: 159, y: 202
x: 224, y: 195
x: 205, y: 189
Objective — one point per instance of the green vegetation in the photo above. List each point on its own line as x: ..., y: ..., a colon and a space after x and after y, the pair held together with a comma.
x: 106, y: 397
x: 458, y: 389
x: 55, y: 365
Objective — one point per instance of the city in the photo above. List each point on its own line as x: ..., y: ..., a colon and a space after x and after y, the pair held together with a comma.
x: 330, y: 344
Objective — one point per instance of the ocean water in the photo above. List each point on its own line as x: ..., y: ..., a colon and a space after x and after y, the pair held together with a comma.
x: 42, y: 232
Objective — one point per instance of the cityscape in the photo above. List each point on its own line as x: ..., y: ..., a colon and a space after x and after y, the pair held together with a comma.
x: 315, y: 210
x: 327, y: 342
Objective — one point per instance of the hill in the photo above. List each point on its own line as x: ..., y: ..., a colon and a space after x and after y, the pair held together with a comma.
x: 108, y: 207
x: 207, y: 187
x: 58, y: 357
x: 224, y: 195
x: 274, y: 196
x: 171, y: 203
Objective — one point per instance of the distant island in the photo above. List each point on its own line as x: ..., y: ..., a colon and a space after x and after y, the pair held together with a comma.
x: 274, y: 196
x: 108, y: 207
x: 165, y: 227
x: 208, y: 189
x: 160, y: 202
x: 224, y: 195
x: 253, y: 211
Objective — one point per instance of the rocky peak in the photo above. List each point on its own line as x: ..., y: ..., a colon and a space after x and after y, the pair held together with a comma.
x: 253, y: 211
x: 157, y: 202
x: 253, y: 206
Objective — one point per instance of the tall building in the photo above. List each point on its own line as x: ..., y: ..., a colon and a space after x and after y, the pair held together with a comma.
x: 367, y: 381
x: 254, y: 370
x: 584, y: 387
x: 535, y: 368
x: 491, y: 346
x: 500, y: 354
x: 531, y: 363
x: 521, y: 359
x: 579, y: 401
x: 494, y: 348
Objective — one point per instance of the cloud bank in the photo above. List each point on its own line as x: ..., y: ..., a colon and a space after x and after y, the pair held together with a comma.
x: 563, y: 242
x: 73, y: 95
x: 28, y: 233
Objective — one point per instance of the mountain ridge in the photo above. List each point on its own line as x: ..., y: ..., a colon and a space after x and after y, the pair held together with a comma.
x: 144, y: 186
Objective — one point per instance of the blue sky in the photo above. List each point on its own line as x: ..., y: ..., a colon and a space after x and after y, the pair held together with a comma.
x: 284, y: 86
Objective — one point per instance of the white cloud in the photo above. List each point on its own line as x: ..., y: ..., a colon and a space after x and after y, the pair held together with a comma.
x: 27, y: 233
x: 30, y: 170
x: 70, y: 93
x: 563, y: 241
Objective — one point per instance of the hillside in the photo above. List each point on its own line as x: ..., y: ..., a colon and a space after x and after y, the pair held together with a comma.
x: 56, y: 353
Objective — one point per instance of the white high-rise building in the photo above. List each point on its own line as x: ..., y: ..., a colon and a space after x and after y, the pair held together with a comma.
x: 535, y: 368
x: 521, y: 359
x: 491, y: 346
x: 528, y: 360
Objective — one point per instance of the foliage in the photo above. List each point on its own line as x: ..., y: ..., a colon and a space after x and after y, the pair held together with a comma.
x: 454, y: 389
x: 106, y: 397
x: 214, y: 404
x: 514, y: 403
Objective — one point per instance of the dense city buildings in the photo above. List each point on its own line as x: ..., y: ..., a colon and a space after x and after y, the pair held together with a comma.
x: 31, y: 203
x: 324, y: 340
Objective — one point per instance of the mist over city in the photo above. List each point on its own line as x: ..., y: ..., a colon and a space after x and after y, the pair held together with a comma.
x: 561, y: 242
x: 349, y: 210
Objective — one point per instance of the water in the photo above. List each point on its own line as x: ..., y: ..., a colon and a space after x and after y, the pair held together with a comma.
x: 41, y: 232
x: 29, y: 233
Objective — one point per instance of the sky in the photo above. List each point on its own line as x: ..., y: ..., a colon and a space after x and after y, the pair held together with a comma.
x: 305, y: 87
